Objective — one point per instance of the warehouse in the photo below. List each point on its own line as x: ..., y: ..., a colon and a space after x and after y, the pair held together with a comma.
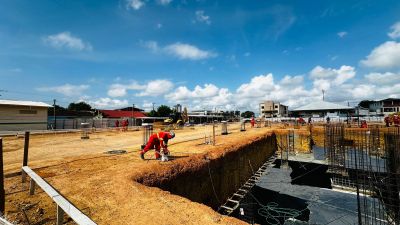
x: 23, y: 115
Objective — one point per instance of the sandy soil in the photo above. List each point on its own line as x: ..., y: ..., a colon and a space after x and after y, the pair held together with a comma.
x: 102, y: 185
x: 50, y: 149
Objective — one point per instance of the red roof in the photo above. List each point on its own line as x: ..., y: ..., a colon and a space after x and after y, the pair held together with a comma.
x: 121, y: 114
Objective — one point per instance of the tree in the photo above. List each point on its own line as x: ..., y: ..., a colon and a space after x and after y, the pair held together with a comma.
x: 164, y: 110
x: 80, y: 106
x: 247, y: 114
x: 153, y: 113
x: 59, y: 110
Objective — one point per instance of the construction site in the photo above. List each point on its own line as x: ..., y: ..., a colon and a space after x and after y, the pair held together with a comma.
x: 219, y: 173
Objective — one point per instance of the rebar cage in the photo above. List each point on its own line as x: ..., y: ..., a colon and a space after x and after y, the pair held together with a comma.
x: 367, y: 162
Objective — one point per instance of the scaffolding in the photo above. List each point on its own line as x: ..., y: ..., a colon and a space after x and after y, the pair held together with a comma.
x: 367, y: 162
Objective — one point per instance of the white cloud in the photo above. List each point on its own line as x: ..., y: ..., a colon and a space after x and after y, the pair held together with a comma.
x: 341, y: 34
x: 383, y: 78
x: 106, y: 103
x: 180, y: 50
x: 386, y: 55
x: 164, y: 2
x: 339, y: 85
x: 134, y: 4
x: 156, y: 88
x: 66, y: 89
x: 258, y: 86
x: 120, y: 90
x: 337, y: 76
x: 202, y: 17
x: 66, y: 40
x: 187, y: 51
x: 151, y: 88
x: 395, y: 31
x: 201, y: 97
x: 159, y: 25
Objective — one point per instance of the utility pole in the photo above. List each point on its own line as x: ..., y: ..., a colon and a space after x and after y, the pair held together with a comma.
x: 133, y: 106
x: 153, y: 105
x: 54, y: 114
x: 323, y: 95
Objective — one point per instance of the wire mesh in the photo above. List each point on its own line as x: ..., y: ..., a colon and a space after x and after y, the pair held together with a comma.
x: 367, y: 161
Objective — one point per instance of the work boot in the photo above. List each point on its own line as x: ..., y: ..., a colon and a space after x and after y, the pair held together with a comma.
x: 142, y: 155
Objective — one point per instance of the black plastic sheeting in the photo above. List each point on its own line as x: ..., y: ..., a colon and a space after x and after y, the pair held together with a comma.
x: 303, y: 188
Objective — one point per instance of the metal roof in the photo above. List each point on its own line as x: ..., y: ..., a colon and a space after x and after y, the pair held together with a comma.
x: 24, y: 103
x: 321, y: 105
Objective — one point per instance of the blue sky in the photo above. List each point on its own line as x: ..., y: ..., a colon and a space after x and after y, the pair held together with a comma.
x: 202, y: 54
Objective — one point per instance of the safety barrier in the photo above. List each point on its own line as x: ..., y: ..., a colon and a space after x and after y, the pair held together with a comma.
x: 63, y: 205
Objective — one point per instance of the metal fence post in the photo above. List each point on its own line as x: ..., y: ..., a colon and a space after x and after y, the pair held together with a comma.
x: 2, y: 192
x: 25, y: 160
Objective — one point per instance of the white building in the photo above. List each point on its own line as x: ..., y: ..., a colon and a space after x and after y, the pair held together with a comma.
x: 323, y: 109
x: 385, y: 106
x: 23, y: 115
x: 272, y: 109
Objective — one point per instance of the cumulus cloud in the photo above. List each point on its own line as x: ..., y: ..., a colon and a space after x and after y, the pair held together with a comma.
x: 394, y: 31
x: 66, y: 89
x: 151, y: 88
x: 68, y: 41
x: 341, y: 34
x: 156, y: 88
x: 383, y: 78
x: 134, y: 4
x: 120, y: 90
x: 202, y: 17
x: 385, y: 56
x: 106, y: 103
x: 337, y: 76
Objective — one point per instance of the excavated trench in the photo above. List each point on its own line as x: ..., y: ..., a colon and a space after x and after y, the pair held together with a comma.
x: 213, y: 177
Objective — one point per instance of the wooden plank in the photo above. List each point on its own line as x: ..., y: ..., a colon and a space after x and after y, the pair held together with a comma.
x: 4, y: 222
x: 63, y: 203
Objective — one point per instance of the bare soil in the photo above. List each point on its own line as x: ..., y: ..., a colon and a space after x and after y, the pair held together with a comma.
x: 103, y: 185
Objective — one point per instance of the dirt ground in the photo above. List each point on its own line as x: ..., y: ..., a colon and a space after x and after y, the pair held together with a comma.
x: 102, y: 185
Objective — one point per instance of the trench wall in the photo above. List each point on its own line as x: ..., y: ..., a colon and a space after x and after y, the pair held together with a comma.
x: 213, y: 177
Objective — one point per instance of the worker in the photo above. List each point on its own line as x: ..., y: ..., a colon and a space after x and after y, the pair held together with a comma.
x: 396, y: 120
x: 387, y: 121
x: 252, y: 121
x: 157, y: 141
x: 328, y: 120
x: 309, y: 120
x: 117, y: 124
x: 301, y: 121
x: 364, y: 124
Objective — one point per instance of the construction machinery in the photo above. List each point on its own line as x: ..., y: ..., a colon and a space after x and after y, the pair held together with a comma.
x: 178, y: 118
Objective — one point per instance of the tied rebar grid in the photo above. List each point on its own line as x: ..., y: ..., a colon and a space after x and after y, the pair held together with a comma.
x: 367, y: 161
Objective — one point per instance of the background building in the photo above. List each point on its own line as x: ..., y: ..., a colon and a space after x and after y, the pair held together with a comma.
x: 385, y: 106
x: 323, y: 109
x: 272, y: 109
x: 23, y: 115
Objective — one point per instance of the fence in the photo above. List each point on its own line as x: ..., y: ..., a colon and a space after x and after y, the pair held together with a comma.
x: 95, y: 123
x: 367, y: 161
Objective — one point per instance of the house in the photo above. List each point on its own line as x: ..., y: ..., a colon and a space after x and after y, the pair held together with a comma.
x: 23, y: 115
x: 385, y: 106
x: 121, y: 114
x: 322, y: 109
x: 272, y: 109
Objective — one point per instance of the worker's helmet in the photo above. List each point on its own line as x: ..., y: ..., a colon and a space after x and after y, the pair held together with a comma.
x: 172, y: 134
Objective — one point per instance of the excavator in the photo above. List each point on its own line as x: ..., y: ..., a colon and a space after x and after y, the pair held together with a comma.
x: 177, y: 119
